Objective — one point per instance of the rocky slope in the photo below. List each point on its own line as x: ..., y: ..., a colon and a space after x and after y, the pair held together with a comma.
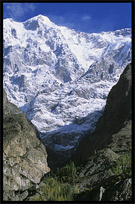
x: 106, y: 153
x: 24, y: 156
x: 104, y: 167
x: 60, y: 77
x: 116, y: 114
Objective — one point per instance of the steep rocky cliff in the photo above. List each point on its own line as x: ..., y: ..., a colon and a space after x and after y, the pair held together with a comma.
x: 24, y: 156
x: 116, y: 116
x: 105, y: 155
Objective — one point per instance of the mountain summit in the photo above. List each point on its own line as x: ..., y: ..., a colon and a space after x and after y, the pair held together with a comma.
x: 61, y: 77
x: 37, y: 21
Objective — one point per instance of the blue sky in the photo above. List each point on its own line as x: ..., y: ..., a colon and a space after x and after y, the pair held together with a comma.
x: 86, y: 17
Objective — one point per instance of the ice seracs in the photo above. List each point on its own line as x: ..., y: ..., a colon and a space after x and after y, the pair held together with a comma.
x: 55, y: 74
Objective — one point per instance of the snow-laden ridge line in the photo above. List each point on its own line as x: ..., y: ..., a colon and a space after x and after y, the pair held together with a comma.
x: 56, y: 74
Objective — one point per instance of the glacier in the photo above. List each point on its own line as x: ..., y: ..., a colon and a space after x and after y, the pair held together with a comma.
x: 61, y: 77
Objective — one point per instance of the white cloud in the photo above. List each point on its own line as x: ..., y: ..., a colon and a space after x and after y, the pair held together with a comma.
x: 19, y: 9
x: 85, y: 18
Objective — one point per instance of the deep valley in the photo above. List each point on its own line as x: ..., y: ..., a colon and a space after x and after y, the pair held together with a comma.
x: 67, y: 126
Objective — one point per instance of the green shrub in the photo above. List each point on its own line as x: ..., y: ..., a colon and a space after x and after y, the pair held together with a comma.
x: 36, y: 198
x: 123, y: 165
x: 67, y: 173
x: 59, y: 186
x: 53, y: 190
x: 76, y: 189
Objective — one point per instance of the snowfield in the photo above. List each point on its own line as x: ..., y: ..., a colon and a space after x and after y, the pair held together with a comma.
x: 60, y: 77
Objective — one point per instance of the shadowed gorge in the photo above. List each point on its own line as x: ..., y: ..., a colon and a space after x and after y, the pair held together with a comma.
x: 66, y: 113
x: 105, y: 155
x: 116, y: 116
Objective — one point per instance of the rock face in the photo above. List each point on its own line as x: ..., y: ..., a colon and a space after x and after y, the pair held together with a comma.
x: 24, y: 156
x: 115, y: 119
x: 105, y: 154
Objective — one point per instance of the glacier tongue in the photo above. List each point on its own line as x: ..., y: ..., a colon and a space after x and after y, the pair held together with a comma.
x: 60, y: 77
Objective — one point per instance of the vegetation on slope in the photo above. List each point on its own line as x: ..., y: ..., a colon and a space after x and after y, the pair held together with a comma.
x: 123, y: 165
x: 59, y: 186
x: 65, y: 183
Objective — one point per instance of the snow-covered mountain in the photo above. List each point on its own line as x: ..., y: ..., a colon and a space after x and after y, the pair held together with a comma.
x: 60, y: 77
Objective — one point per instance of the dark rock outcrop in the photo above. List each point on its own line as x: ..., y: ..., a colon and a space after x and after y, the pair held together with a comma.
x: 116, y: 114
x: 105, y: 155
x: 56, y: 160
x: 114, y: 188
x: 24, y: 156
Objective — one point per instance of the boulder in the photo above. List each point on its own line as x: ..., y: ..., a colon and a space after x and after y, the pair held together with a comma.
x: 24, y: 156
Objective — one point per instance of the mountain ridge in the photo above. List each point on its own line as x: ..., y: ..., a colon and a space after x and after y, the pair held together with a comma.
x: 55, y: 74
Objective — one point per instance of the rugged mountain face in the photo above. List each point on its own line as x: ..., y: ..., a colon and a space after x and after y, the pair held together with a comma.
x: 61, y: 78
x: 105, y: 174
x: 24, y: 156
x: 116, y: 114
x: 106, y: 153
